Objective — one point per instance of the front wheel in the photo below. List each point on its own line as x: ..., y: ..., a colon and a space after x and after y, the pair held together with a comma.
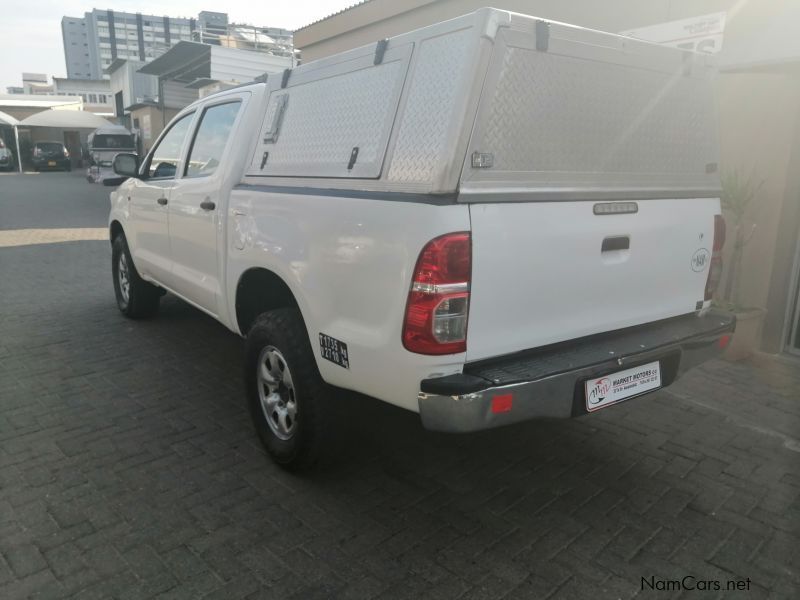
x: 289, y: 403
x: 136, y: 298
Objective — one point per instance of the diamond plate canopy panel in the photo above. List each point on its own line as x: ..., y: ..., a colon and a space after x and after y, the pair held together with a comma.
x: 421, y: 142
x: 325, y: 119
x: 587, y: 121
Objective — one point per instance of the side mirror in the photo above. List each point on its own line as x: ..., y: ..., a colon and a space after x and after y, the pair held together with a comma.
x: 126, y: 164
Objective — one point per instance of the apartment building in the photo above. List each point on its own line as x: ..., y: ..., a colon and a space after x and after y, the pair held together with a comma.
x: 93, y: 41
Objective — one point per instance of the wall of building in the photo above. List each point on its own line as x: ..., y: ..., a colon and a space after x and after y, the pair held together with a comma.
x: 135, y: 87
x: 76, y: 47
x: 150, y: 123
x: 93, y: 41
x: 96, y: 93
x: 759, y: 116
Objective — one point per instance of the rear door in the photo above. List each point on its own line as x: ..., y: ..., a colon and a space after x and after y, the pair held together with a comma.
x: 592, y: 183
x: 195, y: 205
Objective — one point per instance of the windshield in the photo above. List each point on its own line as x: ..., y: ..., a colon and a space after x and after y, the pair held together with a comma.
x: 112, y: 141
x: 50, y: 146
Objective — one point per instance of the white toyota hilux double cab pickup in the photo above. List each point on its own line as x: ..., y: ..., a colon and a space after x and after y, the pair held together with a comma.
x: 491, y: 219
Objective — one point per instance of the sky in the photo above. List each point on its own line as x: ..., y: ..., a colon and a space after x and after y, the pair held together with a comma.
x: 30, y: 30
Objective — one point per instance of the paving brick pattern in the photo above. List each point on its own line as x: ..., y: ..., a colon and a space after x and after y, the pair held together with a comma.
x: 129, y: 469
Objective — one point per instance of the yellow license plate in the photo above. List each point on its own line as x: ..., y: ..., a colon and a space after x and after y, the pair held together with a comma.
x: 51, y: 163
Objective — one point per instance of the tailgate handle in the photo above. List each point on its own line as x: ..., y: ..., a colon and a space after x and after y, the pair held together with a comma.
x: 619, y: 242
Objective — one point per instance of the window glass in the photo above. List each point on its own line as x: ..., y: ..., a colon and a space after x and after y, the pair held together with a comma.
x: 164, y: 162
x: 112, y: 140
x: 209, y: 142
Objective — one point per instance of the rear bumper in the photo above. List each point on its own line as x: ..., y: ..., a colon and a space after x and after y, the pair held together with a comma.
x: 43, y: 163
x: 548, y: 382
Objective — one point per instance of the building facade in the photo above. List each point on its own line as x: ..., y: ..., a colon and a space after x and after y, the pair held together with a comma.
x: 95, y: 93
x: 93, y: 41
x: 758, y: 96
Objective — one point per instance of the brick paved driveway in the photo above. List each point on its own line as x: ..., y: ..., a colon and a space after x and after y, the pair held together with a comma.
x: 129, y: 469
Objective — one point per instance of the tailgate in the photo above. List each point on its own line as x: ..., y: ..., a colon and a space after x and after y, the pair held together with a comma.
x: 592, y: 181
x: 545, y: 272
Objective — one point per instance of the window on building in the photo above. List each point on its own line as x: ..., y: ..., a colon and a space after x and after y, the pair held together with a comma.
x: 102, y: 98
x: 92, y: 98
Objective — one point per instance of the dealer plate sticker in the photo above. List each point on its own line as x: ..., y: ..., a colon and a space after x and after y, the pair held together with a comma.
x: 334, y: 350
x: 622, y: 385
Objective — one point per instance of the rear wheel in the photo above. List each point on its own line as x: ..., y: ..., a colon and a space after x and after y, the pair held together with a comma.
x: 289, y: 403
x: 136, y: 298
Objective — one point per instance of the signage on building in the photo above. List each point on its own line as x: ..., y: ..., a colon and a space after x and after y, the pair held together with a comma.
x: 701, y: 34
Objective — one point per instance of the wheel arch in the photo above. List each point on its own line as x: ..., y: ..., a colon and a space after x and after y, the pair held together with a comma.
x: 259, y: 290
x: 115, y: 229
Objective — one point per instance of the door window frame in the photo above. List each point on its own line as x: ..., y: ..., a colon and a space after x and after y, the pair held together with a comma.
x: 145, y: 167
x: 196, y: 129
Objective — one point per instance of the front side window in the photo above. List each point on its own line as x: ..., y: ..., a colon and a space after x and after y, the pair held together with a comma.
x: 209, y: 141
x: 164, y: 162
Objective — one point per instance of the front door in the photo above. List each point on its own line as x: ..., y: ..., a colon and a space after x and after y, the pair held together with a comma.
x: 149, y: 201
x: 194, y: 208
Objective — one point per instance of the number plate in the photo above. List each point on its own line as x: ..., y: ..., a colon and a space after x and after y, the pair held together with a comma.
x: 51, y: 163
x: 619, y: 386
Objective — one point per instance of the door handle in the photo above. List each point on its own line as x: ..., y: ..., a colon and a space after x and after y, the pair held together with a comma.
x: 620, y: 242
x: 207, y: 205
x: 162, y: 201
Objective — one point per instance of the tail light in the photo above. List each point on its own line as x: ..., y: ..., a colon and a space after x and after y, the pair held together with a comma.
x: 66, y: 153
x: 715, y: 267
x: 438, y: 303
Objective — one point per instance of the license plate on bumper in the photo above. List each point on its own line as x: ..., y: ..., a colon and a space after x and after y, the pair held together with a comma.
x: 51, y: 163
x: 622, y: 385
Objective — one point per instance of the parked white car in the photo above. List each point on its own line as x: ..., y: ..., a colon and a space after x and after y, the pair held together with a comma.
x: 103, y: 144
x: 488, y: 220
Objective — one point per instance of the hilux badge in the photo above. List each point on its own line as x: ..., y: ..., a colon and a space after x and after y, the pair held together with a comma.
x: 699, y: 260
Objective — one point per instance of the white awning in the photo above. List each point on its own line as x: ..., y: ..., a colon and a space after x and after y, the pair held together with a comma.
x: 65, y: 119
x: 6, y: 119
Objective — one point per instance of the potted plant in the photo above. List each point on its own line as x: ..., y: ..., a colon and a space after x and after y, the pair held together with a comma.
x: 738, y: 192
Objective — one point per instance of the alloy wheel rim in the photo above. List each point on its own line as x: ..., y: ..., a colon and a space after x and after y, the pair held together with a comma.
x: 276, y: 393
x: 124, y: 277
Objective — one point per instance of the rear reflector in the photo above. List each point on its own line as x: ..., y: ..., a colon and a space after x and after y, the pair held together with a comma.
x: 502, y: 403
x: 724, y: 341
x: 438, y: 302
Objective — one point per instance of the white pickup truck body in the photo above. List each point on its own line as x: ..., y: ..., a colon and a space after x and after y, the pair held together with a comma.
x: 581, y: 167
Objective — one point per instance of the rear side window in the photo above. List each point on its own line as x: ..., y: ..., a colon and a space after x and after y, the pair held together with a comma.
x: 112, y: 141
x: 209, y: 141
x: 50, y: 146
x: 164, y: 162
